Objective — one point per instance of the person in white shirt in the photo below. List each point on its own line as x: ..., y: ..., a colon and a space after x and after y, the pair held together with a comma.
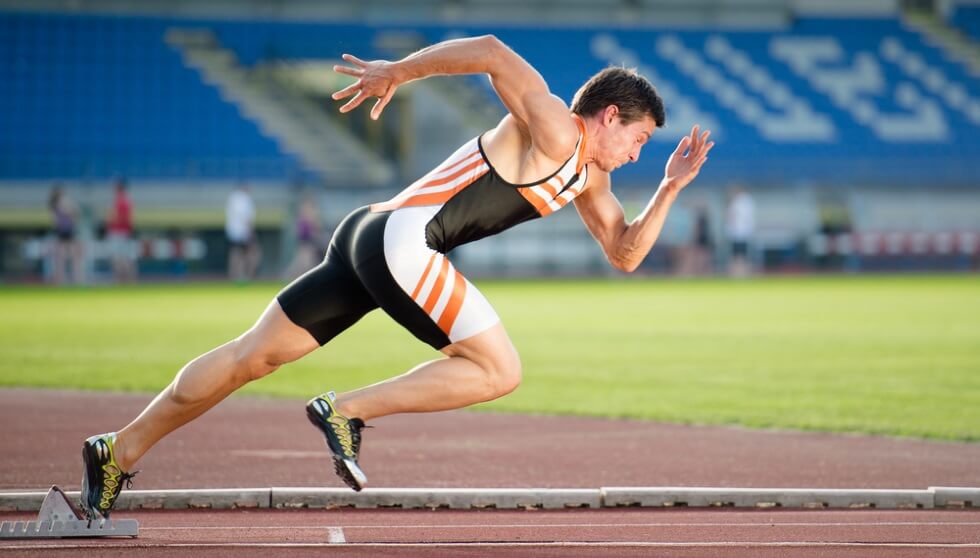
x: 243, y: 249
x: 740, y: 222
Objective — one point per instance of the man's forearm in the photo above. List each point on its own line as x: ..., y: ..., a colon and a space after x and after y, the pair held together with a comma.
x: 458, y: 56
x: 639, y: 236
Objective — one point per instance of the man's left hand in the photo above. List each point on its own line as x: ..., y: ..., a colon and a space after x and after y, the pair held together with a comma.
x: 681, y: 169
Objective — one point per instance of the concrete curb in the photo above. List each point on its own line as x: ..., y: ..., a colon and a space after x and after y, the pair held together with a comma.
x: 956, y: 497
x: 521, y: 498
x: 454, y: 498
x: 768, y: 498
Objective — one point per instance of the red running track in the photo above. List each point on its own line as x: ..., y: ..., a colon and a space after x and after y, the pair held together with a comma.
x: 608, y: 532
x: 249, y: 442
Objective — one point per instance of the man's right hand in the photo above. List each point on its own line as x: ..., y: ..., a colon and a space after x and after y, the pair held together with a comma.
x: 374, y: 79
x: 541, y: 117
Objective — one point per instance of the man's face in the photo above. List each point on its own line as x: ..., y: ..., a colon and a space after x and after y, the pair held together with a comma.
x: 620, y: 143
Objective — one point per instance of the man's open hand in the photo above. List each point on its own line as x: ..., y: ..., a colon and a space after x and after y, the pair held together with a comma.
x: 374, y: 79
x: 682, y: 168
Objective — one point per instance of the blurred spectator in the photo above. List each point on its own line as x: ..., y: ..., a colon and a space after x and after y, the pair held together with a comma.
x: 702, y: 253
x: 834, y: 225
x: 834, y: 215
x: 244, y: 253
x: 695, y: 258
x: 740, y: 227
x: 307, y: 240
x: 119, y: 234
x: 66, y: 247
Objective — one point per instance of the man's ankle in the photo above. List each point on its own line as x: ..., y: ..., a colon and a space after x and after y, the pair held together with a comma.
x: 121, y: 454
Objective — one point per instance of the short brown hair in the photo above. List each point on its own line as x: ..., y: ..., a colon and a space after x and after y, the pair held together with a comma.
x: 635, y: 96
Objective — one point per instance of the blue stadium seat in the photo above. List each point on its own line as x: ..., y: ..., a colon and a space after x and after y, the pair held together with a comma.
x: 967, y: 19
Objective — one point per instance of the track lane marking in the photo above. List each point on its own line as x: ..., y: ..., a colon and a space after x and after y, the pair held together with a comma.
x: 598, y: 544
x: 335, y: 535
x: 582, y: 525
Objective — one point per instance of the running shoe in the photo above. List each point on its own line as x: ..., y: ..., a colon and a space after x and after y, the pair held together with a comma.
x: 103, y: 479
x: 343, y: 437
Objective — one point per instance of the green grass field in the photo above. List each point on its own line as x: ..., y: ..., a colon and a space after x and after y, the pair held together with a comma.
x: 888, y: 355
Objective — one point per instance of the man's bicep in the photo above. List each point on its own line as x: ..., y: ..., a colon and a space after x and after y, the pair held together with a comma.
x: 601, y: 212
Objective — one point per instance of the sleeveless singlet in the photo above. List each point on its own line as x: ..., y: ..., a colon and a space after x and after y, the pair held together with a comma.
x: 392, y: 255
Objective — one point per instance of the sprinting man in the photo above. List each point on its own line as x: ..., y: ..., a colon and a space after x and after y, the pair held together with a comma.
x: 541, y: 156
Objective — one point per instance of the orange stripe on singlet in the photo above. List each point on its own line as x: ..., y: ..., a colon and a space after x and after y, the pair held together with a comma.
x: 540, y: 203
x: 534, y: 199
x: 453, y: 176
x: 437, y: 198
x: 567, y: 196
x: 454, y: 305
x: 409, y: 193
x: 425, y: 275
x: 552, y: 189
x: 430, y: 303
x: 457, y: 162
x: 547, y: 187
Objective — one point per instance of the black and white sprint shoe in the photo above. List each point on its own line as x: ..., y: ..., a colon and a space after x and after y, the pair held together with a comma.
x: 343, y: 437
x: 102, y: 478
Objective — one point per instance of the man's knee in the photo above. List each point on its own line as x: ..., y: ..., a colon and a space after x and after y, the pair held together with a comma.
x: 253, y: 361
x: 504, y: 372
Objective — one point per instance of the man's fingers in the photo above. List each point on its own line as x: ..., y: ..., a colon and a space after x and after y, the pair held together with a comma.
x: 705, y: 149
x: 356, y: 72
x: 699, y: 157
x: 347, y: 91
x: 704, y: 137
x: 354, y: 60
x: 698, y: 141
x: 353, y: 103
x: 702, y: 145
x: 704, y: 155
x: 682, y: 145
x: 382, y: 103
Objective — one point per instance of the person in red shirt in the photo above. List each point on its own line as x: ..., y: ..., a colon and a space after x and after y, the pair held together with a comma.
x: 119, y: 233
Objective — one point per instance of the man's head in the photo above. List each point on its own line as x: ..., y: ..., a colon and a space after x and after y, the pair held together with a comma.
x: 626, y: 109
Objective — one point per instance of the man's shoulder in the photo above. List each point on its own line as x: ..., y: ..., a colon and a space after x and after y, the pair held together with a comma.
x: 558, y: 145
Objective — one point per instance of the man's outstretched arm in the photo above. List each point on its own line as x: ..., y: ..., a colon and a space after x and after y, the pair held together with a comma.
x: 543, y: 117
x: 626, y: 244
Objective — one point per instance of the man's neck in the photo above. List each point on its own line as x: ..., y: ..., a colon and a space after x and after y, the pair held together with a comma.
x: 591, y: 128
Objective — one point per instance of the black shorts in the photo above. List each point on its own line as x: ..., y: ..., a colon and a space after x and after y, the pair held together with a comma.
x: 355, y: 277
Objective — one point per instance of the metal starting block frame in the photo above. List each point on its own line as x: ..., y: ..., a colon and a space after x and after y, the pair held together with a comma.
x: 58, y: 519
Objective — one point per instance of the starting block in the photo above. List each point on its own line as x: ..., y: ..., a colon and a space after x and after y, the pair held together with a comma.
x: 58, y: 519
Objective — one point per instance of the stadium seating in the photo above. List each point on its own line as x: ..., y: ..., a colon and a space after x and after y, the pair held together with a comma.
x: 967, y: 19
x: 851, y: 101
x: 94, y: 96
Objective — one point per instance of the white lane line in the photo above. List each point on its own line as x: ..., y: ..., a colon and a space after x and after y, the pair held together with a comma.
x: 335, y: 535
x: 597, y: 544
x: 590, y: 525
x: 277, y: 454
